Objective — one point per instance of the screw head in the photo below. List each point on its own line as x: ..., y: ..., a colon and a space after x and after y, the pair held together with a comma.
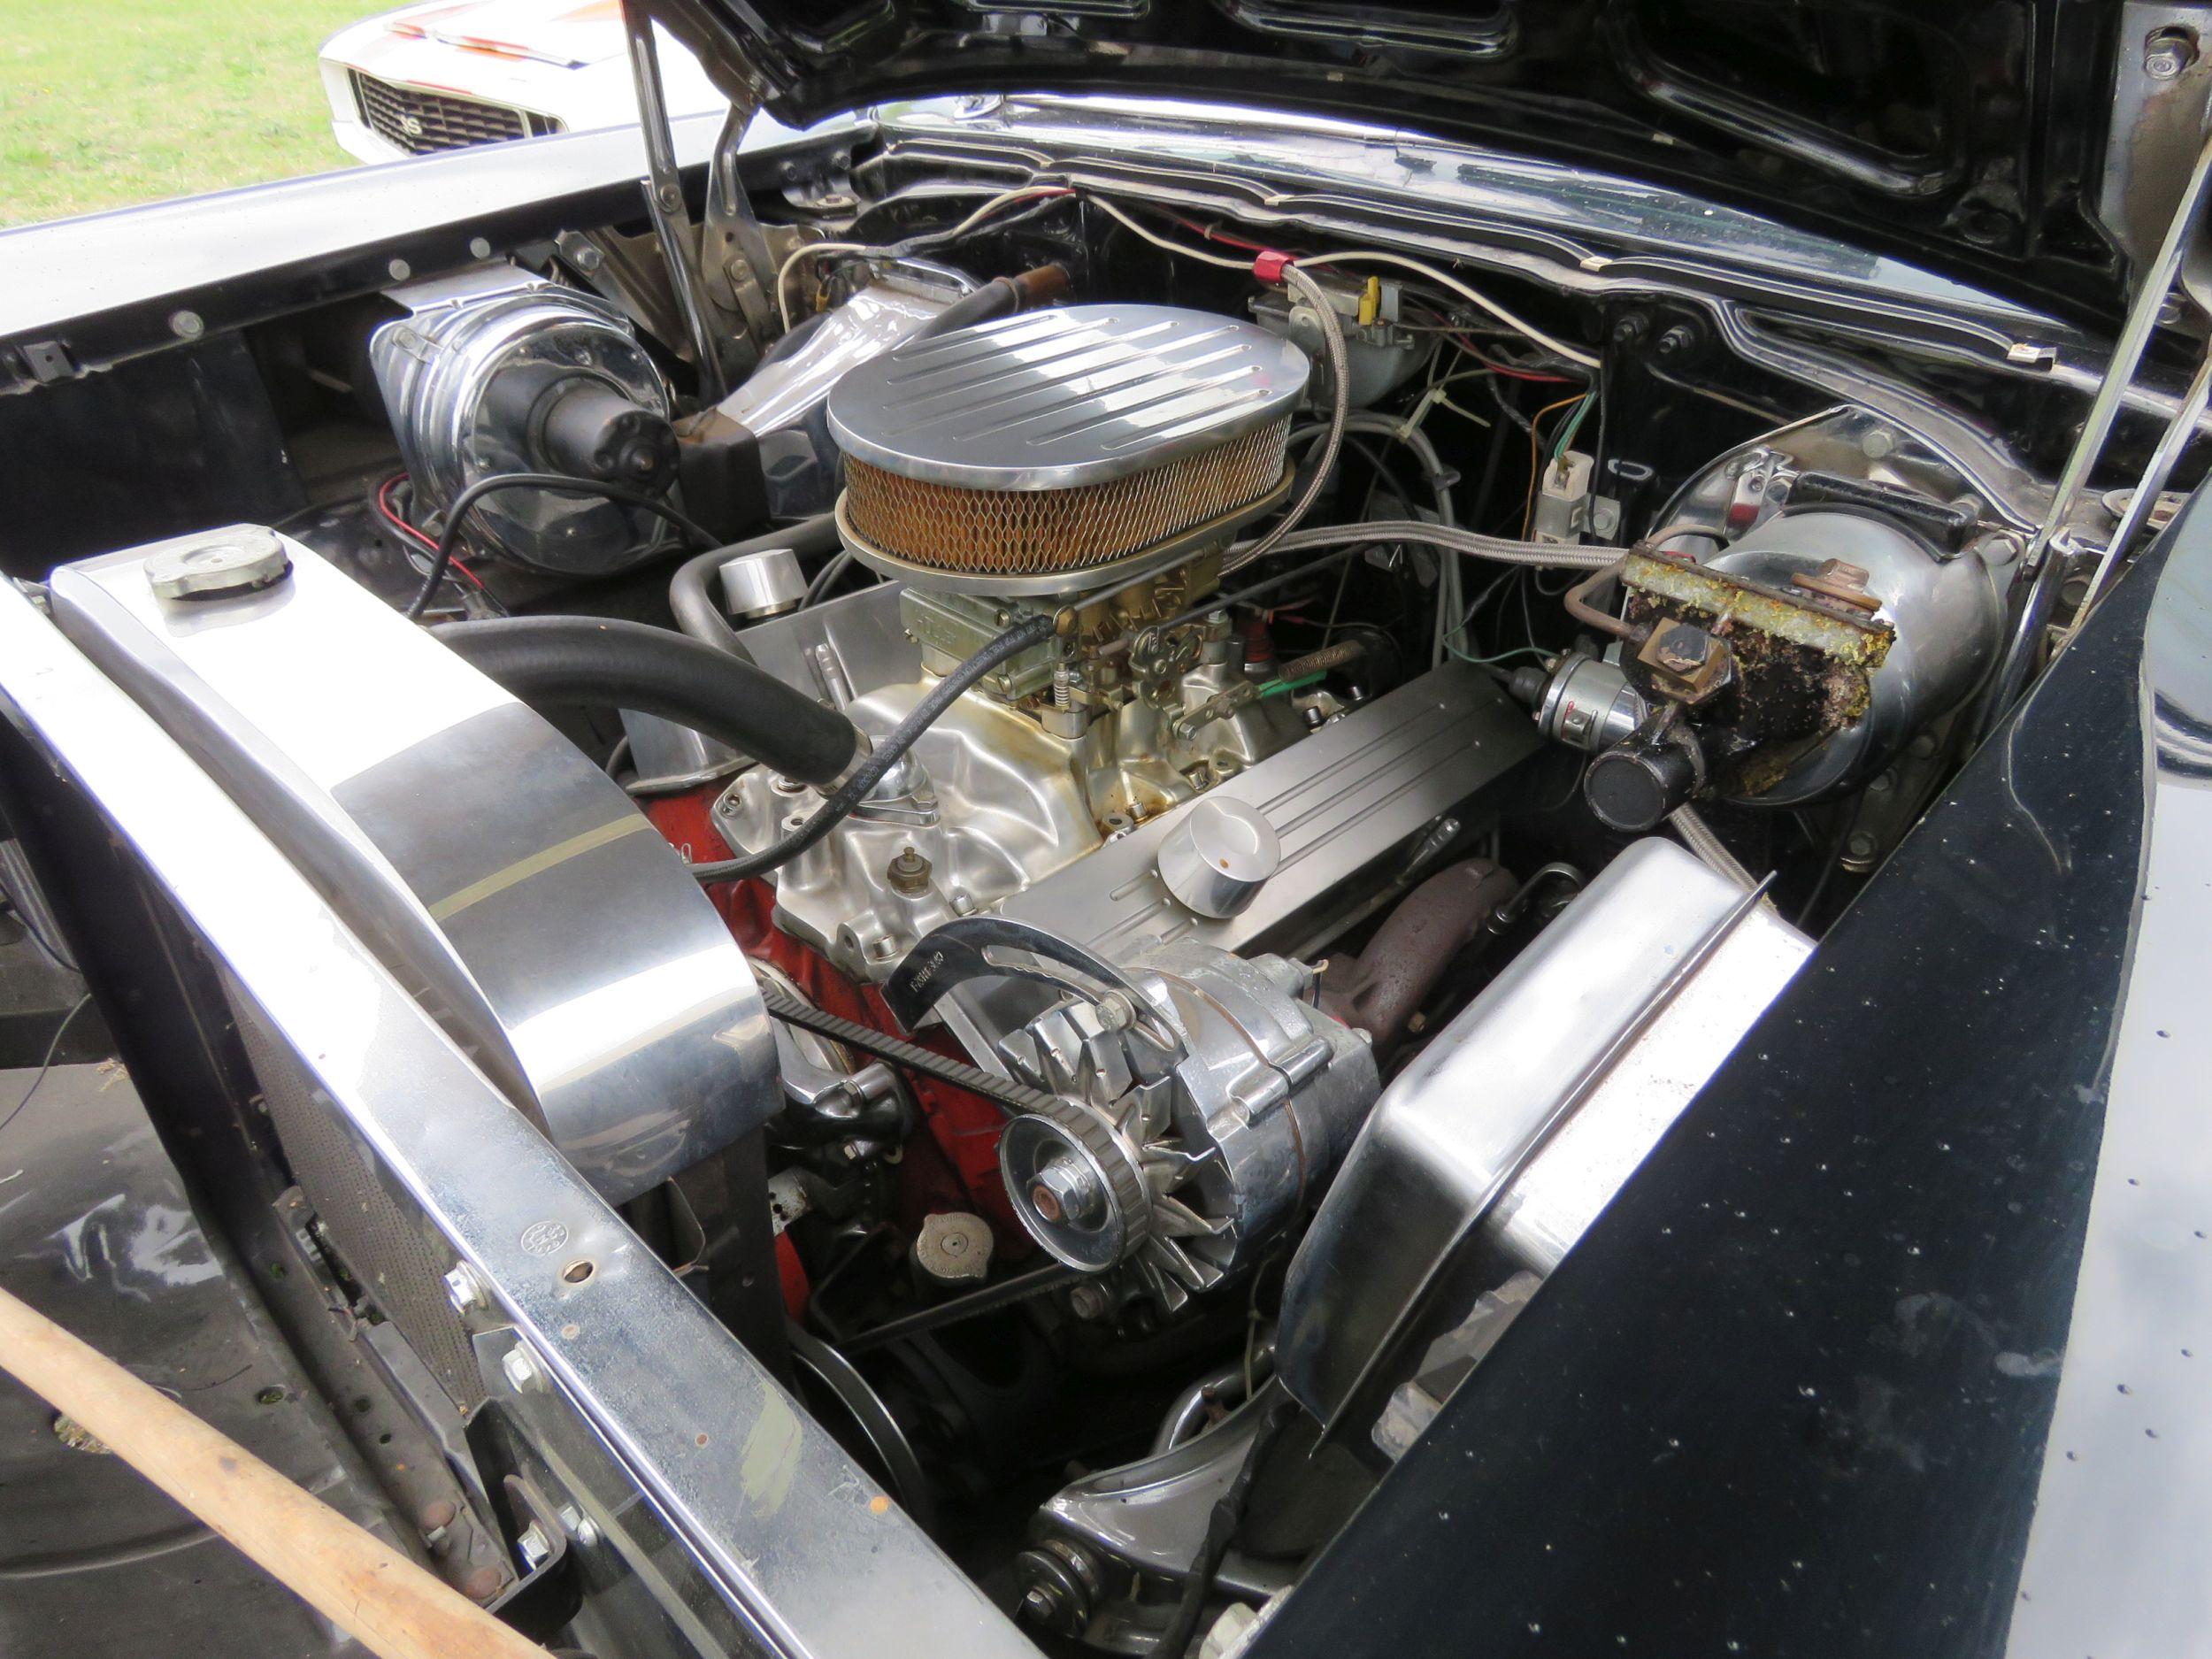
x: 187, y: 325
x: 1088, y: 1302
x: 401, y: 270
x: 479, y: 248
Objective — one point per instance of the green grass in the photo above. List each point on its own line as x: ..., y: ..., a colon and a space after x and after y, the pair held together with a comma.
x: 109, y: 102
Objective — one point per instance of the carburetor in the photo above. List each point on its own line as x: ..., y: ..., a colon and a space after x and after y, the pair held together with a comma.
x: 1091, y: 463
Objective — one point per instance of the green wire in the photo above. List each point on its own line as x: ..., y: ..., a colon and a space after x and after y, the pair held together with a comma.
x: 1284, y: 687
x: 1502, y: 656
x: 1573, y: 425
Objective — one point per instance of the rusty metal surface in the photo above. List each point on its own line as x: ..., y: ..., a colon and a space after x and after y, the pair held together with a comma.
x: 1802, y: 670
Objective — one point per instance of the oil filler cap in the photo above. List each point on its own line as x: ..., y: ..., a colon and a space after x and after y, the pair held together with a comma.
x: 1217, y: 858
x: 231, y: 562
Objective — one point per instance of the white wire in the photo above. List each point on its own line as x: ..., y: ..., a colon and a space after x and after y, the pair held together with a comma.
x: 783, y: 270
x: 1368, y: 256
x: 1518, y: 325
x: 1019, y: 193
x: 1497, y: 549
x: 1161, y: 242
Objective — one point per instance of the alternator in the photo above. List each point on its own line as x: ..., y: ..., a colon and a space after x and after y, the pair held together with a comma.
x: 1200, y: 1101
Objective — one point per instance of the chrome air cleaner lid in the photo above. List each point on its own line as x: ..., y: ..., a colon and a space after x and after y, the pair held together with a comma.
x: 1055, y: 399
x: 1064, y: 449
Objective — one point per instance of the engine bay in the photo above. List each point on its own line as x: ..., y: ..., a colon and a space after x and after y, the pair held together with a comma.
x: 1108, y: 821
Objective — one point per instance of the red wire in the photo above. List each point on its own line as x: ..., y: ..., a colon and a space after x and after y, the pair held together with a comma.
x: 384, y: 506
x: 1223, y: 237
x: 1469, y: 347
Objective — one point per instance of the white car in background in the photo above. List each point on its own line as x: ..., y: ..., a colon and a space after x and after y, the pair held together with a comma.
x: 446, y: 75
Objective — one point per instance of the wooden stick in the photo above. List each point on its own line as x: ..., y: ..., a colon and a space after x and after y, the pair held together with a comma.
x: 370, y: 1590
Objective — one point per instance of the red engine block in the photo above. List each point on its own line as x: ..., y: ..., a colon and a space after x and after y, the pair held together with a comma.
x: 955, y: 1165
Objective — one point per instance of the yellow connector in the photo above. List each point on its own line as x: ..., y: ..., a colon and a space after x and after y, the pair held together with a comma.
x: 1371, y: 302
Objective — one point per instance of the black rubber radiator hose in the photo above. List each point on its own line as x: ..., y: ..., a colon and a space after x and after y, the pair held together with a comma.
x: 591, y: 662
x: 690, y: 591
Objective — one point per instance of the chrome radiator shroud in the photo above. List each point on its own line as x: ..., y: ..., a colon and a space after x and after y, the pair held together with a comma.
x: 468, y: 842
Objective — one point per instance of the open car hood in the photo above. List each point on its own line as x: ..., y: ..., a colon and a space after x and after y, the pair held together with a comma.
x: 1969, y: 135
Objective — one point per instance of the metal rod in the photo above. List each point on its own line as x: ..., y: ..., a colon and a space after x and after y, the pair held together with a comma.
x: 2164, y: 458
x: 664, y: 198
x: 2046, y: 570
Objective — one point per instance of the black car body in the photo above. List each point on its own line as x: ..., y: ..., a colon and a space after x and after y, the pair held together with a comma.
x: 1890, y: 1340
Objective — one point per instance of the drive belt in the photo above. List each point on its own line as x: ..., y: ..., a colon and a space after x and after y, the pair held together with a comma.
x: 1003, y: 1092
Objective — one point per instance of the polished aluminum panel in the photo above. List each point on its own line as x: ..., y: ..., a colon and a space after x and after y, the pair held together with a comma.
x: 785, y: 403
x: 1050, y: 399
x: 495, y: 868
x: 776, y: 1521
x: 1623, y: 1008
x: 1337, y: 800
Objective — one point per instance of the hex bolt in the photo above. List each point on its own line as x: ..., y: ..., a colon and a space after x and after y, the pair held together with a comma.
x: 535, y: 1547
x: 1064, y: 1191
x: 1860, y: 847
x: 1684, y: 649
x: 578, y: 1525
x: 1088, y: 1302
x: 1115, y: 1012
x: 2167, y: 52
x: 522, y: 1371
x: 464, y: 1288
x: 1677, y: 341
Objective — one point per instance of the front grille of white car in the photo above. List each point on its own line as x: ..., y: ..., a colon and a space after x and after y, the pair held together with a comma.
x: 420, y: 122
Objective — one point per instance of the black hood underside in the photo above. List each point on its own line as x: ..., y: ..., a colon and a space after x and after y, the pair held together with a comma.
x: 1969, y: 137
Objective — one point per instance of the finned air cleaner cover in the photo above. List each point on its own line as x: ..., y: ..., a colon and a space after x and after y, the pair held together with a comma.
x: 1039, y: 449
